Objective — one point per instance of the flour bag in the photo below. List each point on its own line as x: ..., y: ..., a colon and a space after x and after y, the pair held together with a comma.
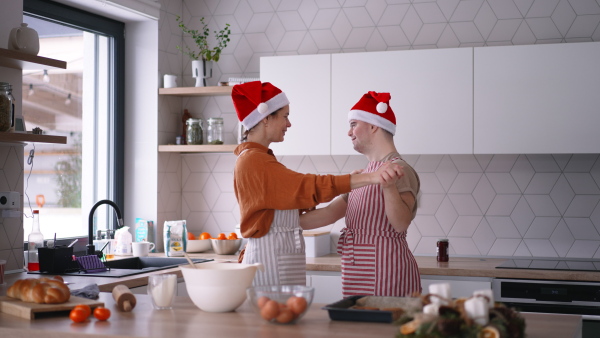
x: 175, y: 238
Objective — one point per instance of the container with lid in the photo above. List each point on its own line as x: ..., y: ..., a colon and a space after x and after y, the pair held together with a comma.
x: 194, y: 131
x: 7, y: 107
x: 214, y: 130
x: 442, y: 250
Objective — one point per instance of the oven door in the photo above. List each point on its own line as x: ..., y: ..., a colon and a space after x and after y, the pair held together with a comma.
x: 566, y: 297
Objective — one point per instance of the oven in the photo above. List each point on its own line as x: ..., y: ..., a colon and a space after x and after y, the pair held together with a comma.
x: 552, y: 296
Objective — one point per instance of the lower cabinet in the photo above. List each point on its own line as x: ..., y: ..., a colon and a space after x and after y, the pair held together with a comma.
x: 328, y: 285
x: 459, y: 286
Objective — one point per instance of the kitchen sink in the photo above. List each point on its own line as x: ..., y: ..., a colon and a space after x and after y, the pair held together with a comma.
x: 135, y: 265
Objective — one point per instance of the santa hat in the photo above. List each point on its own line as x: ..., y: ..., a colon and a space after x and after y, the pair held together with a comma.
x: 253, y: 101
x: 374, y: 108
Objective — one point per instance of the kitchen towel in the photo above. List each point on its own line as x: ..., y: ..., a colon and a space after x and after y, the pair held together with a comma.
x: 91, y: 291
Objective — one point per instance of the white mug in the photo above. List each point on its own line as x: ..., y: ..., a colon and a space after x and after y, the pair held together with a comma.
x: 170, y: 81
x: 141, y: 249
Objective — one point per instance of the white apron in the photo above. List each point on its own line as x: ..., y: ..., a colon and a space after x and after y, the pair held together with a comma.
x: 281, y: 251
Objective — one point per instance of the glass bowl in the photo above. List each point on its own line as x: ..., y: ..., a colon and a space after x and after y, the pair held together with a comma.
x: 281, y: 304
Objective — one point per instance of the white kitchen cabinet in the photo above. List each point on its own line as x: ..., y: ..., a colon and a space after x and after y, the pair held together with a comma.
x: 327, y: 284
x: 432, y: 97
x: 459, y: 286
x: 306, y: 81
x: 537, y: 99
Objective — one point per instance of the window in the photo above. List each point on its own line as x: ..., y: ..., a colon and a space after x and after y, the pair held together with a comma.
x: 84, y: 103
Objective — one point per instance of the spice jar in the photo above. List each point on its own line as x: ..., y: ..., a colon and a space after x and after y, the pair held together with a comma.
x: 442, y: 250
x: 194, y: 131
x: 214, y: 130
x: 7, y: 107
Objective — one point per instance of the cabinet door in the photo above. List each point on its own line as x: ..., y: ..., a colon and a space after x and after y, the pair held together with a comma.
x: 432, y: 97
x: 306, y: 81
x: 328, y: 286
x: 537, y: 99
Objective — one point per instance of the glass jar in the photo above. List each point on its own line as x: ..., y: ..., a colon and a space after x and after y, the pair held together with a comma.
x: 214, y: 130
x: 194, y: 131
x: 7, y: 107
x: 442, y: 250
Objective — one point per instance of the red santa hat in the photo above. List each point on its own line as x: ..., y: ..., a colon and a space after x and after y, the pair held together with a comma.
x: 253, y: 101
x: 374, y: 108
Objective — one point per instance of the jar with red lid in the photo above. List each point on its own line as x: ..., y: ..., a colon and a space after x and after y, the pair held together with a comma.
x: 442, y: 250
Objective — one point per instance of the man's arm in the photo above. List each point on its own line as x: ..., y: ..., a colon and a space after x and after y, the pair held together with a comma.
x: 324, y: 216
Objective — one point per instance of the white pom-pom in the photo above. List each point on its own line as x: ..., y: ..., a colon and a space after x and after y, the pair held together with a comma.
x: 263, y: 108
x: 382, y: 107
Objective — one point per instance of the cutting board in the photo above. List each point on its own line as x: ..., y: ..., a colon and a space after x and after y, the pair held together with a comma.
x: 25, y: 310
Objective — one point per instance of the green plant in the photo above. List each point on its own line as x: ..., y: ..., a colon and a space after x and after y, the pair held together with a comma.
x: 200, y: 37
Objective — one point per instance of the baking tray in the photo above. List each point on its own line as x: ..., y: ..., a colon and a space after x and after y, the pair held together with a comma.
x: 341, y: 310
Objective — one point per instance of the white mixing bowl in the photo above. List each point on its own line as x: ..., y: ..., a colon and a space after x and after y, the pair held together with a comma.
x: 218, y: 287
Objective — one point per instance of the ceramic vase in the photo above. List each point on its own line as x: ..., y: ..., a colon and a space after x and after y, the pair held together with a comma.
x: 24, y: 39
x: 201, y: 70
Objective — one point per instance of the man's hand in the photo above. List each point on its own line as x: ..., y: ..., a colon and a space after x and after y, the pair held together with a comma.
x: 388, y: 174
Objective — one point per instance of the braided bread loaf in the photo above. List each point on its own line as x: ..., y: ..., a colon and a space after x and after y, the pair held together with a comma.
x: 42, y: 291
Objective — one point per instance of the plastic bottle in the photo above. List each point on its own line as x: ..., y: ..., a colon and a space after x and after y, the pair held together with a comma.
x: 35, y: 241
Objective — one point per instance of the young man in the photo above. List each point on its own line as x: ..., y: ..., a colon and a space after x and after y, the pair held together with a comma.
x: 376, y: 259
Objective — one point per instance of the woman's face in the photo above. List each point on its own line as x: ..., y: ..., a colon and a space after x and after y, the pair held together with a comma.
x: 278, y: 124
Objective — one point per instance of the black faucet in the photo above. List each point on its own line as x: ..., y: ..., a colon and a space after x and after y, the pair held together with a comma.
x: 91, y: 250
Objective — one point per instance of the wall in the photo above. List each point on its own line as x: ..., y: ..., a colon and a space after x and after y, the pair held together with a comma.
x: 492, y: 205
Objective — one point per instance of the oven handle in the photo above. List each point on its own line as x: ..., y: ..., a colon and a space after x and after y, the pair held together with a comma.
x: 554, y: 298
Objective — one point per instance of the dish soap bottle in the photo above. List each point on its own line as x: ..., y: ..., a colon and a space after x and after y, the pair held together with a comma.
x: 35, y: 241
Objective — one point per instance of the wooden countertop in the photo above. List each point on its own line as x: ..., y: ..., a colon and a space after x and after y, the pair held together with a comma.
x: 186, y: 320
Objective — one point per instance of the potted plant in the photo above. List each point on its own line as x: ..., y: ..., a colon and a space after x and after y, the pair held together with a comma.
x: 202, y: 56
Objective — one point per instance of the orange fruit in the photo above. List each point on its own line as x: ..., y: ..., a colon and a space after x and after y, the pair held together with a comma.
x: 205, y: 235
x: 232, y: 235
x: 221, y: 236
x: 191, y: 236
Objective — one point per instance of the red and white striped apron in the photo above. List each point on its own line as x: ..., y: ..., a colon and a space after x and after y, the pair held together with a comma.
x: 376, y: 260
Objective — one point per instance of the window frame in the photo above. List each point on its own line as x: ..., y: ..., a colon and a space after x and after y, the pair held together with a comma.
x: 79, y: 19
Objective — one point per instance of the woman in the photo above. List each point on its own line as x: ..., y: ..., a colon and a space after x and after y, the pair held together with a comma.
x: 271, y: 196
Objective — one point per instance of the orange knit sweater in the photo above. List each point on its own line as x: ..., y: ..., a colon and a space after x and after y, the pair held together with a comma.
x: 263, y: 185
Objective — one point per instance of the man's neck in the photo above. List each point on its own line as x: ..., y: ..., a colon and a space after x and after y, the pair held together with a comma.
x: 380, y: 150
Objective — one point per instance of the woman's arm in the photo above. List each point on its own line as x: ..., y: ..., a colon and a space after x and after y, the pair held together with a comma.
x: 388, y: 171
x: 324, y: 216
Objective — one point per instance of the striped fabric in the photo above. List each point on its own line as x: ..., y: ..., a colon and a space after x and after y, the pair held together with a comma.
x: 376, y: 259
x: 281, y: 251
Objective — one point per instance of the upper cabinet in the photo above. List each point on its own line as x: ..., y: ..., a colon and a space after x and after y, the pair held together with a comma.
x: 431, y: 92
x: 537, y: 99
x: 306, y: 81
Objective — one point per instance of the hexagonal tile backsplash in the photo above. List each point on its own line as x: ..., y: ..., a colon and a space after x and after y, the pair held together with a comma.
x: 488, y: 205
x: 500, y: 205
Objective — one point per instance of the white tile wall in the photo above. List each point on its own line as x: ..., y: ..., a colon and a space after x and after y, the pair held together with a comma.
x: 488, y: 205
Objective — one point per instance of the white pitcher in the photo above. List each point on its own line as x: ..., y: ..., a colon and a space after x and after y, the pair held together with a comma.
x: 24, y: 39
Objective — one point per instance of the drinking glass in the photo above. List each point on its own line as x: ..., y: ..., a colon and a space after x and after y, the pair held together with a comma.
x: 162, y: 290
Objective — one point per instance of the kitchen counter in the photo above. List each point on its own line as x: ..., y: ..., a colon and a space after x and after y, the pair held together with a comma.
x: 186, y: 320
x: 457, y: 266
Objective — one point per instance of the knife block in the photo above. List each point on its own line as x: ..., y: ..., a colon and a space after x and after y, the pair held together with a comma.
x: 57, y: 260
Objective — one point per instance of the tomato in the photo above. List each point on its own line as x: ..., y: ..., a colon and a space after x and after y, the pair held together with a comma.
x: 205, y: 235
x: 85, y: 308
x: 101, y: 313
x: 232, y: 235
x: 221, y: 236
x: 78, y: 315
x: 191, y: 236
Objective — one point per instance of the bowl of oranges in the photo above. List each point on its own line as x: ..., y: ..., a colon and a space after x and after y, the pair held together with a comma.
x: 281, y: 304
x: 226, y: 245
x: 198, y: 244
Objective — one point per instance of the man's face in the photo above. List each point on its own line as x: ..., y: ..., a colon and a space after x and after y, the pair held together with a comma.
x: 360, y: 135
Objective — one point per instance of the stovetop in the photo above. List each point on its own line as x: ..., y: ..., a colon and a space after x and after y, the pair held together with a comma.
x: 551, y: 264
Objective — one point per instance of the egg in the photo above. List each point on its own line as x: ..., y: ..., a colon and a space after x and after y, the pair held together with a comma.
x: 297, y: 304
x: 262, y: 301
x: 285, y: 316
x: 270, y: 310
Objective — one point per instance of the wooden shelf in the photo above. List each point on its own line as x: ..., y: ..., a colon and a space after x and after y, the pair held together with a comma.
x: 196, y: 91
x: 22, y: 137
x: 19, y: 60
x: 202, y: 148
